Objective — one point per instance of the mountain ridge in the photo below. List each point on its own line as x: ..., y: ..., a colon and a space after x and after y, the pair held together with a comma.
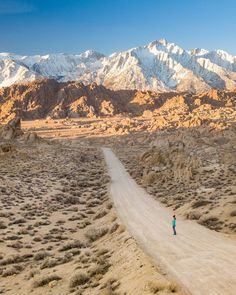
x: 157, y: 66
x: 48, y: 98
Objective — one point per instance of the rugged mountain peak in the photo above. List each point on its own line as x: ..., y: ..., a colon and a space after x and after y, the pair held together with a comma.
x: 198, y: 51
x: 164, y: 45
x: 163, y: 41
x: 92, y: 54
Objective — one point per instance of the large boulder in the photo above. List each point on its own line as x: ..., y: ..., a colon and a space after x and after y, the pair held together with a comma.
x: 168, y: 161
x: 11, y: 130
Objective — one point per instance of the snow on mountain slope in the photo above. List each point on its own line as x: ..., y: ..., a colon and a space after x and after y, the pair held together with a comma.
x: 158, y: 66
x: 12, y: 72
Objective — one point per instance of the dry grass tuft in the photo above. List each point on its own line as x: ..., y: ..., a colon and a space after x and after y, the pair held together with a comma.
x: 98, y: 269
x: 200, y: 203
x: 79, y: 279
x: 155, y: 286
x: 172, y: 288
x: 41, y: 255
x: 45, y: 280
x: 114, y: 227
x: 233, y: 213
x: 100, y: 214
x: 72, y: 245
x: 11, y: 259
x: 12, y: 271
x: 94, y: 234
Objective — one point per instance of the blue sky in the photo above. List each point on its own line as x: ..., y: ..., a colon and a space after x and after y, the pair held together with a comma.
x: 73, y: 26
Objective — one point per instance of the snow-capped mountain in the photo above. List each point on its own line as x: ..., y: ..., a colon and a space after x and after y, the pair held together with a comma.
x: 158, y: 66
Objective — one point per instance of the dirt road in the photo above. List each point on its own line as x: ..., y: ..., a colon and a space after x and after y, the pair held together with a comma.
x: 203, y: 261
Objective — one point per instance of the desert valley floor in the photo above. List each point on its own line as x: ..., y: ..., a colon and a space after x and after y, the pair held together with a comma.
x: 62, y: 228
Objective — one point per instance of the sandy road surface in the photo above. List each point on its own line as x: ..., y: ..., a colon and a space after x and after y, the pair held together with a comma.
x: 203, y: 261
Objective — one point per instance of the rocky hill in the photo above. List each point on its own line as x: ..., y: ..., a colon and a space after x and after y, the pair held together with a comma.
x: 158, y: 66
x: 49, y: 98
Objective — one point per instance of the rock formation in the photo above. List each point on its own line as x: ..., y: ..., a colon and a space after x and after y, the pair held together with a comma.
x: 50, y: 99
x: 11, y: 134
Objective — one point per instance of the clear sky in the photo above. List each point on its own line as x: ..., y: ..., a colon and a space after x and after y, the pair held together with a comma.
x: 73, y: 26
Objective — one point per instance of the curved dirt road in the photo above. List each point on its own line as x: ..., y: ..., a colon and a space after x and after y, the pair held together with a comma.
x: 203, y: 261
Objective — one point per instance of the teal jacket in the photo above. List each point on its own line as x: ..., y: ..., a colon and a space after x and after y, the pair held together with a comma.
x: 174, y: 222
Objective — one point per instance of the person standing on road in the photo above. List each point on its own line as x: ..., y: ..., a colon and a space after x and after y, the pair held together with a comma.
x: 174, y: 224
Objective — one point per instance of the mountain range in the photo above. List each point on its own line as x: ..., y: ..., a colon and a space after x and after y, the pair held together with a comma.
x: 48, y: 98
x: 158, y: 66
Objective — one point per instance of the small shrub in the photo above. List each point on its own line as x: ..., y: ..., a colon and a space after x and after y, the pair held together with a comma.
x: 33, y: 273
x: 99, y: 269
x: 114, y: 227
x: 72, y: 245
x: 172, y: 288
x: 200, y: 203
x: 2, y: 225
x: 12, y: 238
x: 155, y: 287
x: 94, y: 234
x: 193, y: 215
x: 4, y: 214
x: 233, y: 213
x: 11, y: 259
x: 109, y: 287
x: 79, y: 279
x: 12, y: 271
x: 150, y: 178
x: 71, y: 200
x: 113, y: 218
x: 211, y: 222
x: 100, y: 214
x: 47, y: 263
x: 41, y: 255
x: 19, y: 221
x: 45, y: 280
x: 109, y: 205
x: 75, y: 252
